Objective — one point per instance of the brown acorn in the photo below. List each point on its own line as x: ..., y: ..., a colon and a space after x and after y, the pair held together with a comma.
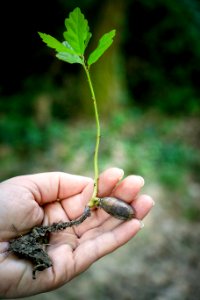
x: 117, y: 208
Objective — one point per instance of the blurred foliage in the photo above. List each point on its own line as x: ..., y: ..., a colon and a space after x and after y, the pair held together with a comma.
x: 163, y: 59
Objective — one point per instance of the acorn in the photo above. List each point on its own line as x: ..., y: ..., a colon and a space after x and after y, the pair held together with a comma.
x: 117, y: 208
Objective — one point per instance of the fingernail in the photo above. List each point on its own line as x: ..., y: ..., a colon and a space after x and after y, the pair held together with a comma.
x: 141, y: 224
x: 153, y: 203
x: 141, y: 180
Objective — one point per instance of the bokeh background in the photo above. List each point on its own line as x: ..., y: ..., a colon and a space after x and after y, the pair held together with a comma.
x: 148, y: 89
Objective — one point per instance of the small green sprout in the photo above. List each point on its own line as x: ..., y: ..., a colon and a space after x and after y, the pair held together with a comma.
x: 72, y: 50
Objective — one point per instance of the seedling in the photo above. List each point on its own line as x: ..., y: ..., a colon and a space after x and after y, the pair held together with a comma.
x: 72, y: 50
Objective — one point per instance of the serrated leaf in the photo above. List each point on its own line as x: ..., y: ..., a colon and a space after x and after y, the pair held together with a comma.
x: 54, y: 43
x: 77, y: 34
x: 104, y: 43
x: 70, y: 58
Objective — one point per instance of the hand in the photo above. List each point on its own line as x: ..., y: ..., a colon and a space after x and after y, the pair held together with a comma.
x: 27, y: 201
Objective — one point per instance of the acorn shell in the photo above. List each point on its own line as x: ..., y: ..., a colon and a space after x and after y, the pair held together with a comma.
x: 117, y: 208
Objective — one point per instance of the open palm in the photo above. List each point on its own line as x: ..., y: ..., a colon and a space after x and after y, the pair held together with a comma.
x: 27, y: 201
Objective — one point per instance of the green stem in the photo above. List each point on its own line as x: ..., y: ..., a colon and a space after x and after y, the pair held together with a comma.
x: 93, y: 201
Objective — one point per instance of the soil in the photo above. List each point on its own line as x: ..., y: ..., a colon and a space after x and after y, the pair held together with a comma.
x: 31, y: 245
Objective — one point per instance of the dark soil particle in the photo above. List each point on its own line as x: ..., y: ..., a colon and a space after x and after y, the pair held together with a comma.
x: 31, y: 246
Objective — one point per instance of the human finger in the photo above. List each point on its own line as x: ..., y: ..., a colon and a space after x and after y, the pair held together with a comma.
x: 142, y: 205
x: 51, y: 186
x: 128, y: 188
x: 108, y: 180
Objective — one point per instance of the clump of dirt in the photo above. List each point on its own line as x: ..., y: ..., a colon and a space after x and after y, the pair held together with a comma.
x: 32, y: 245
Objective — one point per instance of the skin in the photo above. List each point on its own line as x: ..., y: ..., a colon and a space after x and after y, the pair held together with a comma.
x: 30, y: 200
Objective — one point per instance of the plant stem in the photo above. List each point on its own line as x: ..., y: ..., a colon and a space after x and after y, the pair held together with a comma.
x: 93, y: 201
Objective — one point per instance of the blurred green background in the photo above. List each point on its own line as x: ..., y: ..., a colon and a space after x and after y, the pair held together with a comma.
x: 148, y: 89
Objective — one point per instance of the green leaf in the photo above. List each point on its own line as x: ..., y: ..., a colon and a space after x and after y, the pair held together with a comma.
x: 88, y: 39
x: 77, y: 34
x: 70, y: 58
x: 66, y: 44
x: 54, y: 43
x: 104, y: 43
